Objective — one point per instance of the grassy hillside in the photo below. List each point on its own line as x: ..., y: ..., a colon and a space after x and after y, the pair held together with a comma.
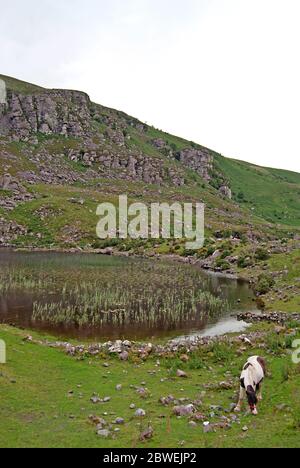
x: 273, y: 194
x: 260, y: 196
x: 20, y: 86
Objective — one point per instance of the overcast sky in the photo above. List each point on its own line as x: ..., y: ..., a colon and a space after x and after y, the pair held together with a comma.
x: 224, y: 73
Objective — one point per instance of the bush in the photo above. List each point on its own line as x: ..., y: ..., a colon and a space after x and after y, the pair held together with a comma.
x: 264, y: 284
x: 226, y: 254
x: 262, y: 254
x: 222, y: 264
x: 210, y: 251
x: 244, y: 262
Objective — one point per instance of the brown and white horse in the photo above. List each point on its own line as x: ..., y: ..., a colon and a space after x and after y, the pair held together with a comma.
x: 251, y: 381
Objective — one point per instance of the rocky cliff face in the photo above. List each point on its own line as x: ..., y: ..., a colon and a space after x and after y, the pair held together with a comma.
x: 49, y: 112
x: 109, y: 143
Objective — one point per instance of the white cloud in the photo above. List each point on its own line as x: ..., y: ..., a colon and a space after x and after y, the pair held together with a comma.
x: 224, y: 73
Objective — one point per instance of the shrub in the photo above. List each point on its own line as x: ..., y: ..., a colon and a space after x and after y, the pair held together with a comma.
x: 244, y: 262
x: 226, y: 254
x: 220, y: 263
x: 262, y: 254
x: 210, y: 251
x: 264, y: 284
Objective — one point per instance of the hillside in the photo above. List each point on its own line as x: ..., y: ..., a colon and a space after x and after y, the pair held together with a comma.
x: 274, y: 194
x: 61, y: 154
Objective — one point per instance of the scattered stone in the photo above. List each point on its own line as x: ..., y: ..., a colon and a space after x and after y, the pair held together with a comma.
x: 147, y: 434
x: 181, y: 374
x: 119, y: 421
x: 193, y: 424
x: 95, y: 400
x: 124, y: 356
x: 105, y: 433
x: 97, y: 420
x: 140, y: 413
x: 207, y: 427
x: 226, y: 385
x: 143, y: 392
x: 28, y: 338
x: 198, y: 417
x: 187, y: 410
x: 166, y: 401
x: 270, y: 317
x: 119, y: 388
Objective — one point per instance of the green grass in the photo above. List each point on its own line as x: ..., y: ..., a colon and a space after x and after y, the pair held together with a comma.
x: 20, y: 86
x: 273, y: 194
x: 37, y: 410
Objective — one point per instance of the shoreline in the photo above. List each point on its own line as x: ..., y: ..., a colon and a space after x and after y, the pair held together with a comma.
x: 112, y: 253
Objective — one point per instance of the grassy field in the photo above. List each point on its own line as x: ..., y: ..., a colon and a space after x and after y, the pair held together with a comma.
x: 45, y: 398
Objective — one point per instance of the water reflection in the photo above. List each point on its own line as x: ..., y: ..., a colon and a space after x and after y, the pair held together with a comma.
x: 96, y: 297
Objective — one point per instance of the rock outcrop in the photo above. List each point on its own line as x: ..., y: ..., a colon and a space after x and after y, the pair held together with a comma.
x: 9, y: 232
x: 110, y: 144
x: 199, y: 160
x: 48, y: 112
x: 226, y: 191
x: 15, y: 192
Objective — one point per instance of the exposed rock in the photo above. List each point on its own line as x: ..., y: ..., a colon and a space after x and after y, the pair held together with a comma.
x: 200, y: 160
x: 5, y: 181
x: 142, y: 392
x: 173, y: 347
x: 226, y: 191
x: 124, y: 356
x: 270, y: 317
x: 159, y: 143
x: 147, y: 434
x: 9, y: 232
x: 207, y: 427
x: 105, y: 433
x: 181, y: 374
x: 119, y: 421
x: 166, y: 401
x: 48, y: 112
x: 187, y: 410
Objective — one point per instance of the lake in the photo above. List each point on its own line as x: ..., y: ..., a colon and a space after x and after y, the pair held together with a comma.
x: 94, y: 297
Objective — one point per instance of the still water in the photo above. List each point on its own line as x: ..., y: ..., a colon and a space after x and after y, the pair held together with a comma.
x: 99, y: 298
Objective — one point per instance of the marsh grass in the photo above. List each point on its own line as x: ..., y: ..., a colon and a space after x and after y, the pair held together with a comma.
x: 114, y: 293
x: 91, y: 305
x: 278, y: 344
